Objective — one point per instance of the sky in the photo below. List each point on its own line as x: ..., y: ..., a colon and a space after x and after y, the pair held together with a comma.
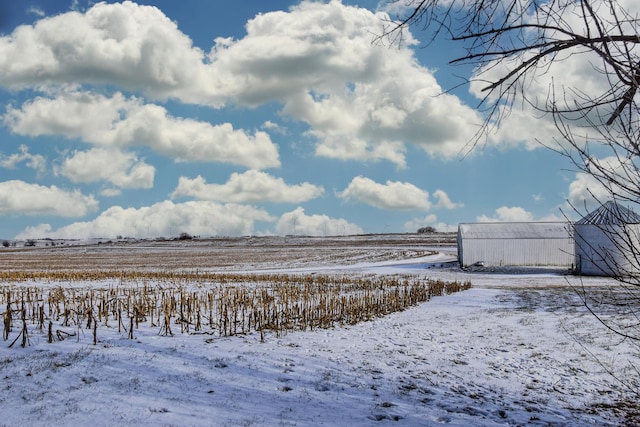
x: 155, y: 118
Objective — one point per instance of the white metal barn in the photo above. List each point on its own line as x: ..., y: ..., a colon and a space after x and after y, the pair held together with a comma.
x: 516, y: 244
x: 606, y: 240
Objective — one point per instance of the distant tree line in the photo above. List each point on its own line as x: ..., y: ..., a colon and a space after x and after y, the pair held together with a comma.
x: 427, y: 230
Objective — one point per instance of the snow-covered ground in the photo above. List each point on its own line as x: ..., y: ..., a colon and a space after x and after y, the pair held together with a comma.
x: 516, y: 349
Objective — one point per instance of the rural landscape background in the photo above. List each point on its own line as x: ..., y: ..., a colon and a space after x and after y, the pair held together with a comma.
x: 243, y: 215
x: 516, y: 348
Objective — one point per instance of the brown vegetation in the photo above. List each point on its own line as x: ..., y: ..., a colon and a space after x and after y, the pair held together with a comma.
x: 69, y: 303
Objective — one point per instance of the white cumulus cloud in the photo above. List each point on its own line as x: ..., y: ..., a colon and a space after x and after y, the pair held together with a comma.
x: 299, y: 223
x: 123, y: 44
x: 361, y: 100
x: 105, y: 164
x: 392, y: 195
x: 444, y: 201
x: 126, y: 122
x: 33, y: 161
x: 161, y: 219
x: 568, y: 80
x: 110, y: 192
x: 587, y: 191
x: 508, y: 214
x: 248, y: 187
x: 19, y: 197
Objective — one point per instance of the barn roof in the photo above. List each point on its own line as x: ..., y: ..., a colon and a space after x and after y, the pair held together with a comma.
x: 611, y: 213
x: 514, y: 230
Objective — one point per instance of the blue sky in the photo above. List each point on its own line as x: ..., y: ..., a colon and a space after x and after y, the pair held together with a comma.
x: 159, y: 117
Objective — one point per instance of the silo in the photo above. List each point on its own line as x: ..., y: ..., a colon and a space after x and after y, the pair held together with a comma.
x: 607, y: 242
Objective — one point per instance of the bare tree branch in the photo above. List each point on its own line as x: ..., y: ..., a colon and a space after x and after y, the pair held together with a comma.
x: 511, y: 43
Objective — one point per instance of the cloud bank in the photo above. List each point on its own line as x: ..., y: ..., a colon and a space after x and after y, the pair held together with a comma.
x: 297, y: 222
x: 391, y: 196
x: 161, y: 219
x: 361, y: 100
x: 33, y: 161
x: 19, y: 197
x: 248, y: 187
x: 119, y: 168
x: 117, y: 121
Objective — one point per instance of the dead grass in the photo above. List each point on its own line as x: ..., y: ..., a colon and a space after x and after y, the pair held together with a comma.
x: 69, y: 303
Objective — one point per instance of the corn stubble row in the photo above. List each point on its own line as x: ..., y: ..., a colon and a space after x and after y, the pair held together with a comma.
x: 42, y: 303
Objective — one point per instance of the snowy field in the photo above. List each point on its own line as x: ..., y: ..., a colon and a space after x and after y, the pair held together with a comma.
x: 516, y: 349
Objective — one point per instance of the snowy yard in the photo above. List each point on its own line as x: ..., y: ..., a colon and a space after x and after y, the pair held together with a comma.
x: 513, y: 350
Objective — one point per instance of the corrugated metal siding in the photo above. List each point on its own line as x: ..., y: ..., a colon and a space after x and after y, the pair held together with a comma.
x: 514, y: 230
x: 516, y: 244
x: 607, y: 250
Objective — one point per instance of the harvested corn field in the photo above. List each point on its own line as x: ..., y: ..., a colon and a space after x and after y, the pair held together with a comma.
x: 200, y: 303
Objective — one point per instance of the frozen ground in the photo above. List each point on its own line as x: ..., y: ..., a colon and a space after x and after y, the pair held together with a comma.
x: 516, y: 349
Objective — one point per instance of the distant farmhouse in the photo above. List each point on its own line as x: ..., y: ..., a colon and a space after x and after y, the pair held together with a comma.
x: 606, y: 242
